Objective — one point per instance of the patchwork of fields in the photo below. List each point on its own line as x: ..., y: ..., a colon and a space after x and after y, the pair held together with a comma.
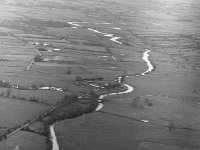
x: 58, y: 57
x: 45, y: 57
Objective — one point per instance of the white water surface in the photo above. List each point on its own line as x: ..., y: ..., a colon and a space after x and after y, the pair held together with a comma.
x: 146, y: 59
x: 102, y: 23
x: 114, y: 39
x: 54, y: 141
x: 96, y: 31
x: 74, y: 24
x: 99, y: 107
x: 129, y: 89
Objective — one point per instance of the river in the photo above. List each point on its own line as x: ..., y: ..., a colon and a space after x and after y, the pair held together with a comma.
x: 146, y: 55
x: 145, y: 58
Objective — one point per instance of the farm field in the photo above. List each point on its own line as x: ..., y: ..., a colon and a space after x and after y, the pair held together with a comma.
x: 110, y: 131
x: 16, y: 112
x: 99, y: 74
x: 26, y: 140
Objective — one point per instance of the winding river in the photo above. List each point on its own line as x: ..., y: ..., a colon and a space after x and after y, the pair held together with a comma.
x: 145, y: 58
x: 54, y: 141
x: 146, y: 55
x: 149, y: 64
x: 113, y: 38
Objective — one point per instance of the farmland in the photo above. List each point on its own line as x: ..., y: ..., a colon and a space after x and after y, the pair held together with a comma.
x: 26, y: 140
x: 135, y: 63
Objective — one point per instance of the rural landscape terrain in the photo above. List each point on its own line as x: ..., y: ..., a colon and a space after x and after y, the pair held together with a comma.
x: 100, y: 75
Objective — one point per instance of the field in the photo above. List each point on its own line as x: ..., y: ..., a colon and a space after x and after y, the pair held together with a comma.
x: 103, y: 131
x: 42, y: 67
x: 16, y: 112
x: 58, y: 57
x: 24, y: 140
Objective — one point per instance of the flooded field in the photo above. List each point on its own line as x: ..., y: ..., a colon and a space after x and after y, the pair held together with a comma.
x: 100, y: 74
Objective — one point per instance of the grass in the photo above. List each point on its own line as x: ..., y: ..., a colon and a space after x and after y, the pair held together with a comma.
x: 42, y: 49
x: 15, y: 105
x: 8, y: 93
x: 25, y: 140
x: 3, y: 60
x: 38, y: 58
x: 15, y: 112
x: 74, y: 47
